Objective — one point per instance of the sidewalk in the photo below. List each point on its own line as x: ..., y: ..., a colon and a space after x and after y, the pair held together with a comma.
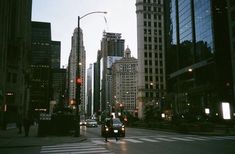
x: 10, y: 138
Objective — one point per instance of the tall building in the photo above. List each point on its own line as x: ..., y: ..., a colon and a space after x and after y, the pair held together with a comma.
x: 89, y: 91
x: 112, y: 47
x: 40, y: 81
x: 96, y: 96
x: 151, y: 54
x: 15, y: 46
x: 55, y: 54
x: 124, y: 82
x: 199, y: 61
x: 73, y: 68
x: 231, y: 18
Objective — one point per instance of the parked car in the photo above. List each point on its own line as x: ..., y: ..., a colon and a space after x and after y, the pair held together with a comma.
x: 91, y: 123
x: 117, y: 128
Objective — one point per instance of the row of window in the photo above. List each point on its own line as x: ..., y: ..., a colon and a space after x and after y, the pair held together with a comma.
x: 150, y: 62
x: 155, y: 16
x: 155, y: 32
x: 156, y: 40
x: 153, y: 1
x: 146, y: 55
x: 150, y: 47
x: 155, y: 24
x: 149, y: 86
x: 150, y: 71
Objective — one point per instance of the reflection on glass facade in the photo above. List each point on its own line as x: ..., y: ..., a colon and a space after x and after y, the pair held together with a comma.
x: 203, y: 29
x: 185, y: 21
x: 197, y: 56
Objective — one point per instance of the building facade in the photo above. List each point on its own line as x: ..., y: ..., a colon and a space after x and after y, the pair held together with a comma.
x: 40, y: 80
x: 199, y: 61
x: 15, y: 46
x: 73, y: 64
x: 124, y: 83
x: 111, y: 46
x: 151, y: 54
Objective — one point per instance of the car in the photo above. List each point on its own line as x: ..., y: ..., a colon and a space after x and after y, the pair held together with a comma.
x: 117, y: 128
x: 91, y: 123
x: 82, y: 123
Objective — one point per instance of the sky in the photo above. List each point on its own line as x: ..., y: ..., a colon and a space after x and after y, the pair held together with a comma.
x: 63, y: 14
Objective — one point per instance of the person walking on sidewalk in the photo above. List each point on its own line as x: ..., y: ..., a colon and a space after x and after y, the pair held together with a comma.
x: 27, y: 123
x: 19, y: 124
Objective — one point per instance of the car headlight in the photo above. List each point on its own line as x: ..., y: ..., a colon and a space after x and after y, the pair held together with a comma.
x: 123, y: 128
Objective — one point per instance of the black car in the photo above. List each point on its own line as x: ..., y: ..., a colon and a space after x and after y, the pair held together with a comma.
x: 117, y: 127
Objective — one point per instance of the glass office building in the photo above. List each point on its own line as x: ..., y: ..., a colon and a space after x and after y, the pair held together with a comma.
x: 198, y: 57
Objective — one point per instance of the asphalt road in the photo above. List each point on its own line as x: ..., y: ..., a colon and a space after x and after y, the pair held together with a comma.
x: 138, y: 141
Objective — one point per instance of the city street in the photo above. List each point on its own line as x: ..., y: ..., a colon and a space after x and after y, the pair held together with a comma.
x: 137, y: 141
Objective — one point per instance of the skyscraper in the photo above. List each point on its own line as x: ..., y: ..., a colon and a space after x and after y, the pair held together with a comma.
x: 151, y: 53
x: 72, y: 69
x: 199, y: 57
x: 40, y: 80
x: 112, y: 47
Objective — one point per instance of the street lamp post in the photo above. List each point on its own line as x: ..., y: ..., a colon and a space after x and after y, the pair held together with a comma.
x: 78, y: 76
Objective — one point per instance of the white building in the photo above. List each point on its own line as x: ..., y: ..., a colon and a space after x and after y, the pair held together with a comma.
x: 151, y: 52
x: 124, y: 84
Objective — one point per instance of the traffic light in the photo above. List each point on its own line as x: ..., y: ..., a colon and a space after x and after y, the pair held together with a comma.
x: 79, y: 81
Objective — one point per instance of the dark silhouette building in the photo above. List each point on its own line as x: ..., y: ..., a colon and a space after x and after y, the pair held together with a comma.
x: 15, y: 46
x: 40, y: 66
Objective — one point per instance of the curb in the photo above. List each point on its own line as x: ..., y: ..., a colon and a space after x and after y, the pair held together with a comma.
x: 51, y: 142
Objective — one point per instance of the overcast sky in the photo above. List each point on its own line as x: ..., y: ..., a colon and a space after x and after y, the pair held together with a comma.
x: 62, y: 14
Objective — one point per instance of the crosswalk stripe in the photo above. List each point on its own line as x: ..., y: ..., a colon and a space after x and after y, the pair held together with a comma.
x: 99, y: 142
x: 74, y: 148
x: 132, y: 140
x: 69, y: 150
x: 165, y: 139
x: 181, y: 139
x: 149, y: 140
x: 224, y: 138
x: 82, y: 152
x: 117, y: 142
x: 142, y: 139
x: 196, y: 138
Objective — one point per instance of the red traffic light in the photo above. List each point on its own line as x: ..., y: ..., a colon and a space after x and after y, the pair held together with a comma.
x: 79, y: 81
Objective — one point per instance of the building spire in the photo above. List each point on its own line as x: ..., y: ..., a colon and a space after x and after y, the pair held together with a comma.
x: 127, y: 53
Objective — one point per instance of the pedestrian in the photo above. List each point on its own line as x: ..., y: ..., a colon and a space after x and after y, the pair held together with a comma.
x: 109, y: 125
x: 27, y: 124
x: 19, y: 124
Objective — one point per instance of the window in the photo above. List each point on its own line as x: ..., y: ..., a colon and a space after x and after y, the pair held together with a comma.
x: 145, y: 46
x: 145, y: 62
x: 146, y: 78
x: 145, y: 55
x: 146, y: 70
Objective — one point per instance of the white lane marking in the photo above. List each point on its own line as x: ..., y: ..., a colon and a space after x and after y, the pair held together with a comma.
x: 165, y: 139
x: 132, y: 140
x: 196, y: 138
x: 181, y: 139
x: 149, y: 140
